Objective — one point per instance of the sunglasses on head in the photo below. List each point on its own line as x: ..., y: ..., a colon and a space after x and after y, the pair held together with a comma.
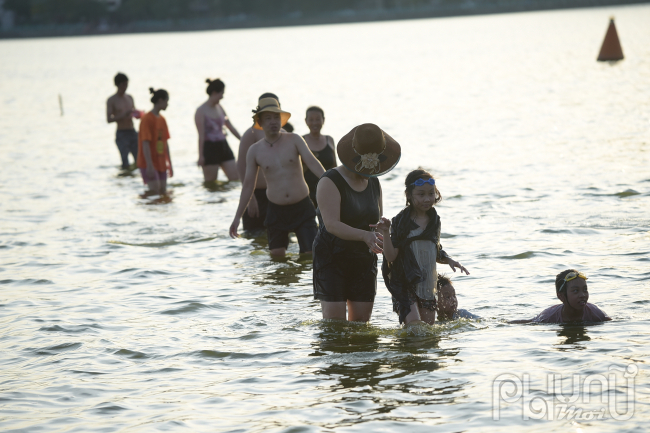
x: 571, y: 276
x: 421, y: 182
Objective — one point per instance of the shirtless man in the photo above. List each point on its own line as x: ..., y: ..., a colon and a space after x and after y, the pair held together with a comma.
x: 254, y: 216
x: 121, y: 110
x: 279, y: 155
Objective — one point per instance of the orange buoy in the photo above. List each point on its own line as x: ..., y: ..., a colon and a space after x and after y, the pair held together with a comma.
x: 611, y: 49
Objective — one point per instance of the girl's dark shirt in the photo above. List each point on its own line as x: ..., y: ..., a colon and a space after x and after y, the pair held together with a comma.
x: 326, y: 157
x: 358, y: 210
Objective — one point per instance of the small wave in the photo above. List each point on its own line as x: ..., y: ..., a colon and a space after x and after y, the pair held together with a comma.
x: 622, y: 194
x: 49, y: 351
x: 189, y: 308
x: 553, y: 231
x: 190, y: 240
x: 107, y: 408
x: 212, y: 354
x: 131, y: 354
x: 90, y: 373
x: 526, y: 255
x: 627, y: 193
x: 78, y: 329
x: 26, y: 281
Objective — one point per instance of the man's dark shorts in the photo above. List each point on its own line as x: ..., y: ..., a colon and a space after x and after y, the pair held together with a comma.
x: 256, y: 223
x: 299, y: 218
x: 127, y: 142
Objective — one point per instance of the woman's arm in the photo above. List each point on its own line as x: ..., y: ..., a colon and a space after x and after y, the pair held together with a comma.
x: 199, y: 120
x: 329, y: 203
x: 231, y: 127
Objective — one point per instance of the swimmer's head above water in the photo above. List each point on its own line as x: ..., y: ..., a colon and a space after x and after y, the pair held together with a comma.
x: 571, y: 289
x: 447, y: 303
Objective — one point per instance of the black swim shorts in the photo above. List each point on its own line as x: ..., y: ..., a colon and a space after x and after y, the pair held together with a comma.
x: 216, y: 152
x: 256, y: 223
x: 346, y: 278
x: 299, y: 218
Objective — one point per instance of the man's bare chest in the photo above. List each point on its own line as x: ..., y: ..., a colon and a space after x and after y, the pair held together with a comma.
x: 275, y: 161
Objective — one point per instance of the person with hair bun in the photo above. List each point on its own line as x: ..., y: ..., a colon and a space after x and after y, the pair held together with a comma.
x: 322, y: 146
x: 411, y: 250
x: 154, y: 160
x: 214, y: 151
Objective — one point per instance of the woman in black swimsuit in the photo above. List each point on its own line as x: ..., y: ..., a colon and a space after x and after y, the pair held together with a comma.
x: 345, y: 249
x: 322, y: 146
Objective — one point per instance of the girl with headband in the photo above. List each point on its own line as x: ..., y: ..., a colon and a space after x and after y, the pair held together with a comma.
x: 411, y: 250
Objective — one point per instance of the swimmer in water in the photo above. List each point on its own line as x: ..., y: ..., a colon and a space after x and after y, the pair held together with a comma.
x: 411, y: 250
x: 447, y: 303
x: 571, y: 289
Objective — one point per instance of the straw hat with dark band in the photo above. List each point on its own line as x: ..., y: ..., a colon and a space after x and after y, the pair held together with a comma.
x: 271, y: 105
x: 368, y: 151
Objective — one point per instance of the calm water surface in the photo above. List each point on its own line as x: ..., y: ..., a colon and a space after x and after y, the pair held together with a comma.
x: 120, y: 313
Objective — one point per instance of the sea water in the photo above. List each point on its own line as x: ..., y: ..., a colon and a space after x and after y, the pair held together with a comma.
x: 124, y: 313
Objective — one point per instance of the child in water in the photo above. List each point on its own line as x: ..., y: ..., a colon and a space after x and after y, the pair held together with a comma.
x: 412, y: 249
x: 571, y: 289
x: 448, y: 303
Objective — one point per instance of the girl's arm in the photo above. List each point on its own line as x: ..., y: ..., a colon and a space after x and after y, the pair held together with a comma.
x: 169, y: 159
x: 146, y: 149
x: 329, y: 203
x: 444, y: 258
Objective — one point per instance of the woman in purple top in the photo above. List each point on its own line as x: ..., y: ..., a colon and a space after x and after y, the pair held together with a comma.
x: 571, y: 289
x: 214, y: 151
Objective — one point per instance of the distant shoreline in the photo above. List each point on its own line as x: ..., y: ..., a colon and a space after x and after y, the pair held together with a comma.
x: 292, y: 20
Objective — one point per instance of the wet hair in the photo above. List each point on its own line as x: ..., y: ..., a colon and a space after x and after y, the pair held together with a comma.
x: 288, y: 127
x: 317, y: 109
x: 559, y: 280
x: 158, y: 94
x: 443, y: 280
x: 214, y: 86
x: 120, y: 78
x: 420, y: 173
x: 269, y: 95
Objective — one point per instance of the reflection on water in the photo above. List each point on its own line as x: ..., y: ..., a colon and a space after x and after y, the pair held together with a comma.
x: 572, y: 335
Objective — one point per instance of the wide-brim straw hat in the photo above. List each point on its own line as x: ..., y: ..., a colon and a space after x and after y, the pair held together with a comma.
x: 271, y: 105
x: 367, y: 150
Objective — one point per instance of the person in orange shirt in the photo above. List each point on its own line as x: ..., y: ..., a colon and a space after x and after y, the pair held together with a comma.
x: 154, y: 160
